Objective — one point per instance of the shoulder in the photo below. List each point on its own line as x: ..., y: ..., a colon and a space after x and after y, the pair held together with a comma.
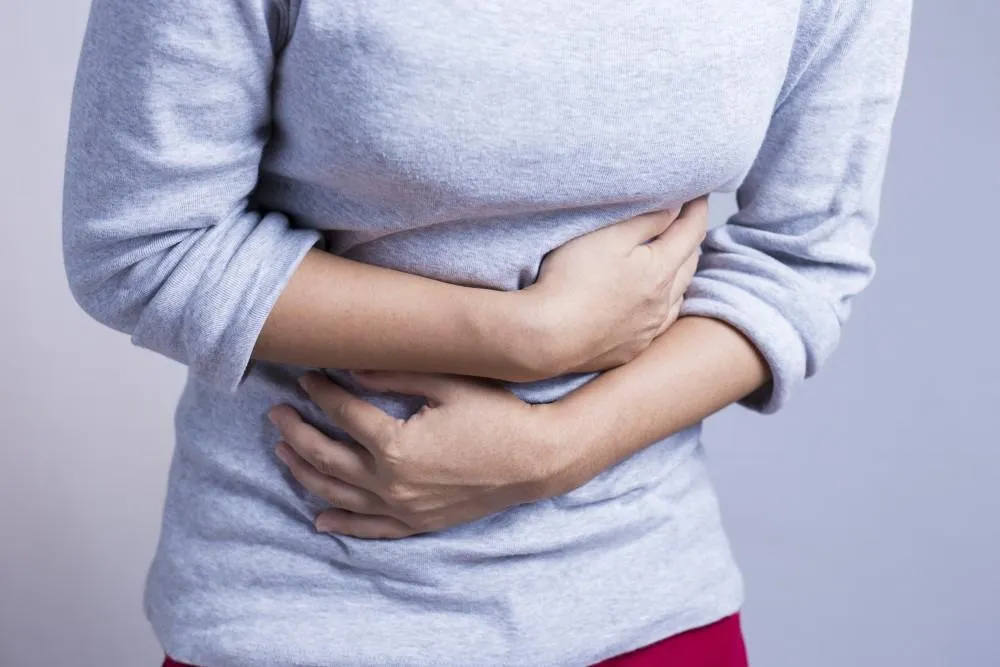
x: 828, y: 26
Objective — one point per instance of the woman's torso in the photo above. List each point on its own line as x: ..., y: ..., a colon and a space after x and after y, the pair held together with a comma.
x: 463, y: 144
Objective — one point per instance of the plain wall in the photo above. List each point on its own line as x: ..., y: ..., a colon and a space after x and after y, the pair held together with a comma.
x: 866, y: 516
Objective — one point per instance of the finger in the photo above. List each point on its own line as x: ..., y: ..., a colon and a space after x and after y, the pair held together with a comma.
x: 684, y: 236
x: 362, y: 525
x: 335, y: 491
x: 436, y: 388
x: 330, y: 457
x: 697, y: 206
x: 642, y: 228
x: 682, y: 279
x: 358, y: 418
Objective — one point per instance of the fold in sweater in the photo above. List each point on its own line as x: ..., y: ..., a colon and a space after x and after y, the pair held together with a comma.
x: 214, y: 142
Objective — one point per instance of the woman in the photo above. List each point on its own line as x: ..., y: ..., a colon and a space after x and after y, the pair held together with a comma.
x: 258, y: 188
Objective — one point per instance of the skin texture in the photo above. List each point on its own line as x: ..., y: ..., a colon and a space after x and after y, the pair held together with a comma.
x: 430, y: 472
x: 422, y: 474
x: 616, y: 289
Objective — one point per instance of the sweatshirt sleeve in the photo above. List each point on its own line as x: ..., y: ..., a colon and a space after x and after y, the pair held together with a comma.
x: 784, y: 268
x: 170, y: 113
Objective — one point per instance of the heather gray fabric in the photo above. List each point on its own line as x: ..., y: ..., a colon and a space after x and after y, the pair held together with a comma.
x: 213, y: 142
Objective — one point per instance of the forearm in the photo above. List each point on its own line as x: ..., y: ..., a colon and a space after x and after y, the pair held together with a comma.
x: 784, y: 268
x: 337, y: 313
x: 695, y: 369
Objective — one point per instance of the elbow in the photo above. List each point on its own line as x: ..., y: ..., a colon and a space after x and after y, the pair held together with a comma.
x: 105, y: 280
x: 115, y: 276
x: 105, y: 299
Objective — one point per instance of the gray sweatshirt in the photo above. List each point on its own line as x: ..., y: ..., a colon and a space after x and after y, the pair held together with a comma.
x: 214, y: 142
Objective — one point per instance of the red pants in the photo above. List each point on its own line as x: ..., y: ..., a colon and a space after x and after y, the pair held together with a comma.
x: 717, y: 645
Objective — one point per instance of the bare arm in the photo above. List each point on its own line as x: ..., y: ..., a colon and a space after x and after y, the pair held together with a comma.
x: 774, y: 285
x: 421, y: 475
x: 161, y: 240
x: 763, y: 312
x: 337, y: 313
x: 599, y: 301
x: 697, y: 367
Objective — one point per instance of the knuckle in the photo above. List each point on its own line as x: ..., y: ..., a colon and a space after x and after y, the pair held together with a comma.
x: 342, y: 411
x: 391, y: 431
x: 310, y: 449
x: 390, y: 445
x: 324, y: 464
x: 330, y: 494
x: 399, y: 495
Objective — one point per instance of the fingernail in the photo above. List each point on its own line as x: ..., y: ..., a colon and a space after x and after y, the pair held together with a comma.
x: 272, y: 416
x: 324, y: 525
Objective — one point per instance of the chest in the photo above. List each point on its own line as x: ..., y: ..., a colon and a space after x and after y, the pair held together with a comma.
x: 544, y: 103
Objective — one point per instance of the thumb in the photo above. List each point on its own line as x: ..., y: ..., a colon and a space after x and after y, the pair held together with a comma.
x: 436, y: 388
x: 684, y: 236
x: 642, y: 228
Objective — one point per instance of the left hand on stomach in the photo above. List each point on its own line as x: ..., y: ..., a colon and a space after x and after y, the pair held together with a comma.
x: 475, y: 449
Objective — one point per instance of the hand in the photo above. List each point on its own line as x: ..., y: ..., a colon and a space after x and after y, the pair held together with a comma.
x: 607, y: 295
x: 473, y: 450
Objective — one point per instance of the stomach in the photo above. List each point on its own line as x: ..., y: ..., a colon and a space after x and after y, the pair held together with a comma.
x: 241, y: 577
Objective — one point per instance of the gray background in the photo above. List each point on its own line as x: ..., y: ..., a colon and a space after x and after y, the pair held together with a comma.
x: 866, y: 516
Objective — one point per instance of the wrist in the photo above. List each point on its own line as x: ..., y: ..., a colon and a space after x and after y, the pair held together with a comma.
x: 526, y: 336
x: 563, y: 454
